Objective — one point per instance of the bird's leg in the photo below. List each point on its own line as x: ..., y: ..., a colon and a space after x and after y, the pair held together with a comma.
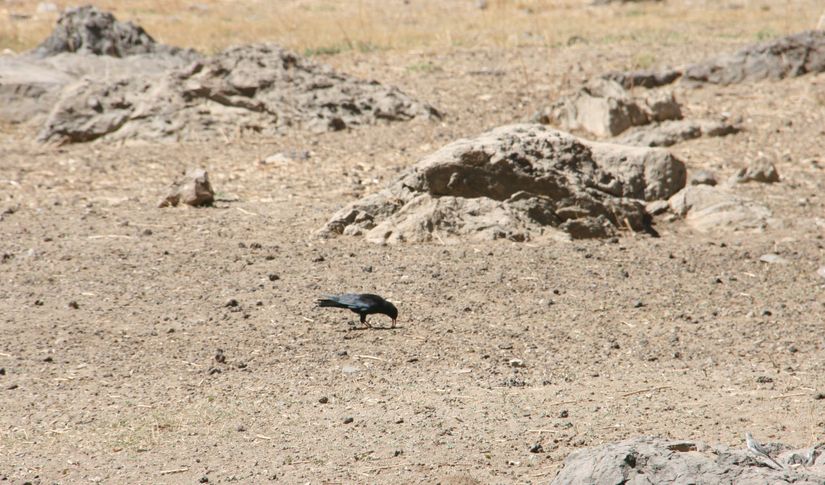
x: 364, y: 321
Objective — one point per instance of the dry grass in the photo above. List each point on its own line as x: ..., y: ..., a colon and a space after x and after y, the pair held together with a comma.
x: 329, y: 26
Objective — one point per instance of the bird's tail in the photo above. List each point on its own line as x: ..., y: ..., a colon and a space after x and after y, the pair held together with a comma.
x: 329, y: 302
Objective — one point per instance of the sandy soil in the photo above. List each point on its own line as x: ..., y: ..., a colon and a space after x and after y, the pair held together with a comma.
x: 112, y: 311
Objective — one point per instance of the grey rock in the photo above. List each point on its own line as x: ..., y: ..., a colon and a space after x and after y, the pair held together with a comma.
x: 193, y: 189
x: 707, y: 209
x: 645, y: 79
x: 517, y: 182
x: 759, y: 170
x: 788, y: 56
x: 821, y: 272
x: 772, y: 258
x: 85, y: 43
x: 88, y: 30
x: 702, y: 177
x: 256, y: 88
x: 604, y: 108
x: 669, y: 133
x: 646, y: 460
x: 657, y: 207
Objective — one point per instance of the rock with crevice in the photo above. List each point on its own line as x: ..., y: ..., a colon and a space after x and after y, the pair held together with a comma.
x: 647, y: 459
x: 604, y: 108
x: 518, y: 182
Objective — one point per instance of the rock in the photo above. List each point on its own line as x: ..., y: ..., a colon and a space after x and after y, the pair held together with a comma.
x: 657, y: 207
x: 193, y: 189
x: 647, y: 459
x: 518, y: 182
x: 707, y: 208
x: 672, y: 132
x: 604, y: 108
x: 772, y: 258
x: 349, y: 369
x: 702, y: 177
x: 645, y: 79
x: 759, y: 170
x: 788, y: 56
x: 85, y: 42
x: 821, y: 272
x: 87, y: 30
x: 256, y: 88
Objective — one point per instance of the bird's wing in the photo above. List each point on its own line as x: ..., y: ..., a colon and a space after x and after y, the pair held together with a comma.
x: 332, y: 301
x: 357, y: 302
x: 352, y: 301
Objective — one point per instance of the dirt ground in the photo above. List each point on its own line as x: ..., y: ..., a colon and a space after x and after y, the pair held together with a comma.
x: 112, y: 310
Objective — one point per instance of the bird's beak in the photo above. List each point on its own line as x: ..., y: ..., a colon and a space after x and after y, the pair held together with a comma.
x: 393, y: 322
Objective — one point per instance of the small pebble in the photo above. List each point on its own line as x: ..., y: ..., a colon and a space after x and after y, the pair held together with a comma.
x: 638, y: 304
x: 73, y: 305
x: 323, y: 400
x: 348, y: 420
x: 274, y: 277
x: 536, y: 448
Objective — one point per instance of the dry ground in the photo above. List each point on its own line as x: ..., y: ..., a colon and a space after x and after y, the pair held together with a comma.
x: 687, y: 336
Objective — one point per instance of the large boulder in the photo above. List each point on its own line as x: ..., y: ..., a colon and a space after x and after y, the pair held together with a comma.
x: 646, y: 460
x: 258, y: 88
x: 520, y: 182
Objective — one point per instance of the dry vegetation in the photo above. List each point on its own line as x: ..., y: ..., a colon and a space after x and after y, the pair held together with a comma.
x: 118, y: 389
x: 328, y: 26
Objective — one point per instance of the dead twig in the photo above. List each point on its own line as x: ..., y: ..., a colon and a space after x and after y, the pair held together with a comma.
x: 642, y: 391
x: 176, y: 470
x: 370, y: 357
x: 783, y: 396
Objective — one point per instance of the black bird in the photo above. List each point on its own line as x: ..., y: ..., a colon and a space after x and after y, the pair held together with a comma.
x: 362, y: 304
